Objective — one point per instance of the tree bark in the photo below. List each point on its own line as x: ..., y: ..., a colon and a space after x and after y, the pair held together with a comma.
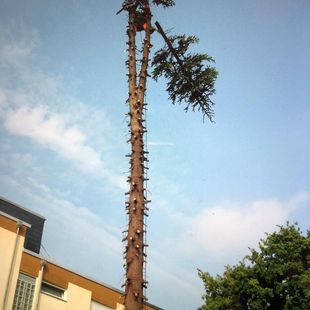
x: 136, y: 204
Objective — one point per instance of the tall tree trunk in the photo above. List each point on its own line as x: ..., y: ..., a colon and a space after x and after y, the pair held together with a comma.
x: 136, y: 204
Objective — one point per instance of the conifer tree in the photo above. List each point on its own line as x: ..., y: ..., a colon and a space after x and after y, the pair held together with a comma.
x: 190, y: 79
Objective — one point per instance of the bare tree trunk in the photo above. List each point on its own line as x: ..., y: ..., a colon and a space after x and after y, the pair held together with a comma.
x: 136, y: 204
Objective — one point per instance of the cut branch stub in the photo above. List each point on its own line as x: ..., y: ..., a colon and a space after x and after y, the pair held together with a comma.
x: 135, y: 205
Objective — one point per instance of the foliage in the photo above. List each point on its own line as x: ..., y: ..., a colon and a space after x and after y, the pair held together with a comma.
x: 188, y: 79
x: 277, y: 276
x: 164, y: 3
x: 141, y: 3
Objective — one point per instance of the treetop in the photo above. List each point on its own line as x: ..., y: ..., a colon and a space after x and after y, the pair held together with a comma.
x: 276, y: 276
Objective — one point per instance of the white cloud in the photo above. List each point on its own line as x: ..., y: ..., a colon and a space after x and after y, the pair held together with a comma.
x: 210, y: 239
x: 229, y: 229
x: 38, y: 106
x: 51, y: 131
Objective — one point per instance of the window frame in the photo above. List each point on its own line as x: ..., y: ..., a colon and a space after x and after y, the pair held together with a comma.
x: 25, y: 285
x: 62, y: 296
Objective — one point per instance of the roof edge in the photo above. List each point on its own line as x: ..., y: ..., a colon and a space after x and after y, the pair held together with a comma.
x: 84, y: 276
x: 15, y: 219
x: 21, y: 207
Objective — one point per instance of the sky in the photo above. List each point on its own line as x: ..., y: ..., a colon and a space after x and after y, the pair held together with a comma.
x: 215, y: 188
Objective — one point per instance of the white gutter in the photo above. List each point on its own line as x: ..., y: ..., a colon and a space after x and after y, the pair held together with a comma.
x: 36, y: 297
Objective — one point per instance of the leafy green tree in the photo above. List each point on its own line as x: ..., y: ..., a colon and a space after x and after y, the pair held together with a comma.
x: 277, y: 276
x: 190, y: 79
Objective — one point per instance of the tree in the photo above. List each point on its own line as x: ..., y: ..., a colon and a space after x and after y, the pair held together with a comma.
x: 189, y: 80
x: 277, y: 276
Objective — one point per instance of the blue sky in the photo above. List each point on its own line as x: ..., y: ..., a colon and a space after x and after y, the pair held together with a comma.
x: 215, y: 188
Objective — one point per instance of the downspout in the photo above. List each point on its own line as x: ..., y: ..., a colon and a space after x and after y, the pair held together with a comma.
x: 36, y: 297
x: 19, y: 224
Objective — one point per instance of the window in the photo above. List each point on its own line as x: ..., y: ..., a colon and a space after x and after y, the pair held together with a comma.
x: 52, y: 290
x: 24, y: 293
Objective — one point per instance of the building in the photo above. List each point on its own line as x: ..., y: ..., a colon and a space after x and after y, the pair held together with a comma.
x: 30, y: 282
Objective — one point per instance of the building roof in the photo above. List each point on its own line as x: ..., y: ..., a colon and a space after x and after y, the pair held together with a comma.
x: 36, y: 221
x: 31, y: 258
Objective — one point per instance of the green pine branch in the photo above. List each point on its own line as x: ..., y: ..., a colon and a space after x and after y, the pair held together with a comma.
x: 190, y: 77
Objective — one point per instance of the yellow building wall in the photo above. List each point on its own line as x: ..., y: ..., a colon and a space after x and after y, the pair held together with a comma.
x: 80, y: 291
x: 78, y: 298
x: 7, y: 245
x: 47, y: 302
x: 97, y: 306
x: 7, y: 239
x: 120, y: 307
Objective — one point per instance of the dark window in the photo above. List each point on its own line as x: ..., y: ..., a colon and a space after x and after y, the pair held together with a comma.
x: 52, y: 290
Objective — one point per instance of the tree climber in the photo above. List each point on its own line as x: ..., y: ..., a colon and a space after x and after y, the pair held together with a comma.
x: 141, y: 19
